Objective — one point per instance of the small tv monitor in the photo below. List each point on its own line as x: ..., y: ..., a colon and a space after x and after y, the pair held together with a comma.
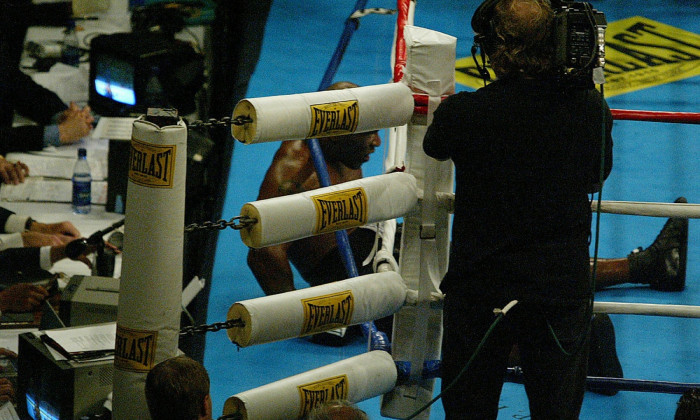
x: 114, y: 79
x: 50, y: 389
x: 131, y: 72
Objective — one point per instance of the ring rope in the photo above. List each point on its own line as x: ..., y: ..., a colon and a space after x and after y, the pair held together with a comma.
x: 687, y: 210
x: 635, y: 208
x: 681, y: 311
x: 657, y: 116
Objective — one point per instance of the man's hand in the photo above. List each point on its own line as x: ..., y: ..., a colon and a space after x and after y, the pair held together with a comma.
x: 74, y: 124
x: 22, y: 297
x: 41, y: 234
x: 7, y: 391
x: 12, y: 172
x: 37, y: 240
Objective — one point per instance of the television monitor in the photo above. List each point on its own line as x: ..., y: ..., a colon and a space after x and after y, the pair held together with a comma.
x: 49, y: 389
x: 131, y: 72
x: 114, y: 79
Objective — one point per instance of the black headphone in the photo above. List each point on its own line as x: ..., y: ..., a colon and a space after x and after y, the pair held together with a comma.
x: 482, y: 24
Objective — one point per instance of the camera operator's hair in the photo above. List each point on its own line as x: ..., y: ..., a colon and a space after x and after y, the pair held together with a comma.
x: 523, y: 37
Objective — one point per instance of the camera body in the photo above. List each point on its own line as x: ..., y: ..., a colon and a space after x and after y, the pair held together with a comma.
x: 578, y: 36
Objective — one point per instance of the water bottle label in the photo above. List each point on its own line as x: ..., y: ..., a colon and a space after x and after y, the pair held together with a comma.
x: 81, y: 193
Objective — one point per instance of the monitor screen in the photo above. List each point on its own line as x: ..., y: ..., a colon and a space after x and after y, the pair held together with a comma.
x: 114, y: 79
x: 42, y: 404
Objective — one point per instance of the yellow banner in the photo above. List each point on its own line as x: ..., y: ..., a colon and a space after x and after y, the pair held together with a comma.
x: 316, y: 393
x: 340, y: 210
x: 135, y: 350
x: 639, y: 52
x: 152, y: 165
x: 334, y: 118
x: 329, y: 311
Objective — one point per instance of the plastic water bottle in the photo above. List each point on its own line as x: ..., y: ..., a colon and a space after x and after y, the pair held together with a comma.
x: 70, y: 51
x: 82, y: 180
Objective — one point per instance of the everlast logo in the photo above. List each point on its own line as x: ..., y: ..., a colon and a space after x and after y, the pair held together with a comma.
x: 329, y: 311
x: 316, y: 393
x: 134, y: 350
x: 334, y: 118
x: 151, y: 165
x: 340, y: 210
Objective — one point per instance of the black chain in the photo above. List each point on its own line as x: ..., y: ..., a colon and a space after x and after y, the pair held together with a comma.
x: 216, y: 326
x: 223, y: 122
x: 236, y: 223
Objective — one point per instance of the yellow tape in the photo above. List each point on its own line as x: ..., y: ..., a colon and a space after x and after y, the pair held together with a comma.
x: 316, y: 393
x: 152, y: 165
x: 135, y: 350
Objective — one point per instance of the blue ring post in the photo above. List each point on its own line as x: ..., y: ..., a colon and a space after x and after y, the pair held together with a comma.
x: 341, y: 236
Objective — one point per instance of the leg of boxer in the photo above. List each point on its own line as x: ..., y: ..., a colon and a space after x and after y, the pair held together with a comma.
x: 661, y: 265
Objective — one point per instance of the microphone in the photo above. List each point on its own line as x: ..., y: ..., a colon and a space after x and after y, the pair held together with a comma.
x: 481, y: 68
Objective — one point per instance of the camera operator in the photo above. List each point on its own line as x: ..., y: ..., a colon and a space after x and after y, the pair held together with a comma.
x: 527, y: 152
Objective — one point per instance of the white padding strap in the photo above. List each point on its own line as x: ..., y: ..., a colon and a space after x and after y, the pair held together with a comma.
x: 355, y: 379
x: 315, y: 309
x: 324, y: 210
x: 323, y: 114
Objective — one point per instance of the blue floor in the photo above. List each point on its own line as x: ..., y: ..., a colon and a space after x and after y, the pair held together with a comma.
x: 653, y: 162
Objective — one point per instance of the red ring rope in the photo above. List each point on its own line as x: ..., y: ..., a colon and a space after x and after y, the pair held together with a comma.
x: 403, y: 6
x: 657, y: 116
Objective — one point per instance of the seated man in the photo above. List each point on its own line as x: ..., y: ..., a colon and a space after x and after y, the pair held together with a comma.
x: 178, y: 389
x: 22, y: 297
x: 58, y: 123
x: 12, y: 173
x: 292, y: 171
x: 31, y: 259
x: 18, y: 231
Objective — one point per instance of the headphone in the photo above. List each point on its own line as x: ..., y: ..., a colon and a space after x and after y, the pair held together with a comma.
x: 482, y: 24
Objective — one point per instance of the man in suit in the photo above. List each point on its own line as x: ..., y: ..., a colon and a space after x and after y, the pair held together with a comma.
x: 57, y: 123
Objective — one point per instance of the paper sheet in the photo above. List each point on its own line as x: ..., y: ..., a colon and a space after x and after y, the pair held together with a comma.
x: 90, y: 338
x: 59, y: 166
x: 49, y: 189
x: 113, y: 128
x: 9, y: 339
x: 8, y: 412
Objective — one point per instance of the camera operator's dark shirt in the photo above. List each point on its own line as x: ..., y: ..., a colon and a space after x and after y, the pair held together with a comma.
x: 526, y: 155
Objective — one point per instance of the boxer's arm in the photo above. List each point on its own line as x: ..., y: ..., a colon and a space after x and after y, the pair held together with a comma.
x: 272, y: 269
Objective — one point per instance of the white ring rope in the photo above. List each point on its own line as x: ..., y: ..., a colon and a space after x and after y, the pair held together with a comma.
x: 681, y: 311
x: 691, y: 211
x: 638, y: 208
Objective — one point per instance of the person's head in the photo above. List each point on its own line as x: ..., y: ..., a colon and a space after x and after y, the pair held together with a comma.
x: 178, y: 389
x: 520, y: 40
x: 352, y: 150
x: 337, y: 410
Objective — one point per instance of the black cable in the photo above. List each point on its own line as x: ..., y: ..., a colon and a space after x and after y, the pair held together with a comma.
x: 500, y: 313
